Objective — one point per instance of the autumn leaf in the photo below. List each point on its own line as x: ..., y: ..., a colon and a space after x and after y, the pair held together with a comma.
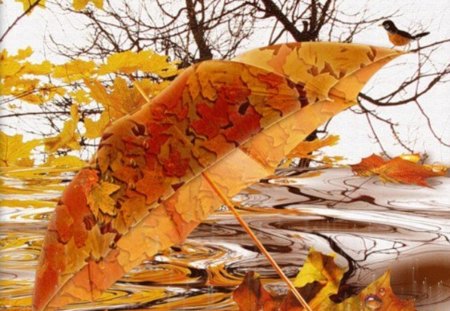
x: 28, y: 3
x: 367, y: 165
x: 13, y: 150
x: 68, y: 138
x: 95, y: 129
x: 100, y: 200
x: 79, y: 5
x: 305, y: 148
x: 145, y: 61
x: 250, y: 295
x: 397, y: 170
x: 378, y: 296
x: 322, y: 269
x: 318, y: 279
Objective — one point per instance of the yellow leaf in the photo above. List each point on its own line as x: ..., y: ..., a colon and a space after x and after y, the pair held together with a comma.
x: 99, y: 198
x: 13, y: 151
x: 68, y: 138
x: 146, y: 61
x: 79, y: 5
x: 74, y: 70
x: 305, y: 148
x: 28, y: 3
x: 95, y: 129
x: 67, y: 161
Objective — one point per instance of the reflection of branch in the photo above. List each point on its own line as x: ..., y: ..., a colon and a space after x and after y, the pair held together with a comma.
x: 27, y: 11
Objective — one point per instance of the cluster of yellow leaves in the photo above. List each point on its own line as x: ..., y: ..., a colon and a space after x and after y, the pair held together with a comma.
x: 404, y: 169
x: 77, y: 4
x: 319, y: 280
x: 83, y: 83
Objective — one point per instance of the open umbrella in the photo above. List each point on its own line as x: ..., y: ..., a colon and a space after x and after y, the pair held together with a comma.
x: 219, y: 127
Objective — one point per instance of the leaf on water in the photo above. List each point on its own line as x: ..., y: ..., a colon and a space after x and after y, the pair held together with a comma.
x: 318, y: 279
x: 398, y: 170
x: 251, y: 295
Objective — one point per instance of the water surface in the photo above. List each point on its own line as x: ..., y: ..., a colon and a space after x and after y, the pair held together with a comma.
x: 370, y: 225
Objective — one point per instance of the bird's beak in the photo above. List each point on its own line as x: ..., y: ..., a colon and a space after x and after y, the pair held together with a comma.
x: 380, y: 25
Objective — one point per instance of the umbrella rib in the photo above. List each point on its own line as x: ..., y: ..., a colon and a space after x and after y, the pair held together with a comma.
x: 257, y: 242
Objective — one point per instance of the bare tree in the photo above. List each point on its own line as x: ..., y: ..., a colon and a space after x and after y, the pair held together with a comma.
x: 196, y: 30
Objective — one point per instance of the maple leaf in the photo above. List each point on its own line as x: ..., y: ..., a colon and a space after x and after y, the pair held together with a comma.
x: 397, y: 170
x: 13, y: 149
x: 68, y: 138
x: 305, y: 148
x: 99, y: 198
x: 318, y: 279
x: 250, y: 295
x: 95, y: 129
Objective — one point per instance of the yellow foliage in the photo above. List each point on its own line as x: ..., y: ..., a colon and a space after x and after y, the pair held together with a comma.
x: 74, y: 70
x: 14, y: 151
x: 145, y: 61
x: 28, y: 3
x: 95, y: 129
x: 68, y: 138
x: 81, y: 4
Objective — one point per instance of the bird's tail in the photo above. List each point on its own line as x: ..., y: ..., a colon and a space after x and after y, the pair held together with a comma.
x: 420, y: 35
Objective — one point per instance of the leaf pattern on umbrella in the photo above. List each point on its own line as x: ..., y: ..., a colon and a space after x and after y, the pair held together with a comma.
x: 219, y: 127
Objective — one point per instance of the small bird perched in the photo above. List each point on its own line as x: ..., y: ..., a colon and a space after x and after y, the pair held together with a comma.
x: 399, y: 37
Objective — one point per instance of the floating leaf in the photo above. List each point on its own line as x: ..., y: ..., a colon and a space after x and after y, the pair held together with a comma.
x: 397, y: 170
x: 318, y: 279
x: 182, y: 167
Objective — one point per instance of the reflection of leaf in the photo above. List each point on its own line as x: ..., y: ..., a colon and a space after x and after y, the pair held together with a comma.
x: 13, y: 150
x: 319, y: 278
x: 397, y: 170
x: 185, y: 167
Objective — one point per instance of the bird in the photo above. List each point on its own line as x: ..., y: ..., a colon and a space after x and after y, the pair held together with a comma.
x: 400, y: 37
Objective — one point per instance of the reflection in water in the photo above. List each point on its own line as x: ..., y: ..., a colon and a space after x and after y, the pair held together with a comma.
x: 372, y: 227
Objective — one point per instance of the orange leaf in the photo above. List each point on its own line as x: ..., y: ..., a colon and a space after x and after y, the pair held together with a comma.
x: 305, y: 148
x: 397, y: 170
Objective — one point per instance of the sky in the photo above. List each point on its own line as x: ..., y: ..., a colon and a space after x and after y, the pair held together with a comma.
x: 356, y: 138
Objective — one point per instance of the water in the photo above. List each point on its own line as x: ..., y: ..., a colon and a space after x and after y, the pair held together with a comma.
x: 372, y: 227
